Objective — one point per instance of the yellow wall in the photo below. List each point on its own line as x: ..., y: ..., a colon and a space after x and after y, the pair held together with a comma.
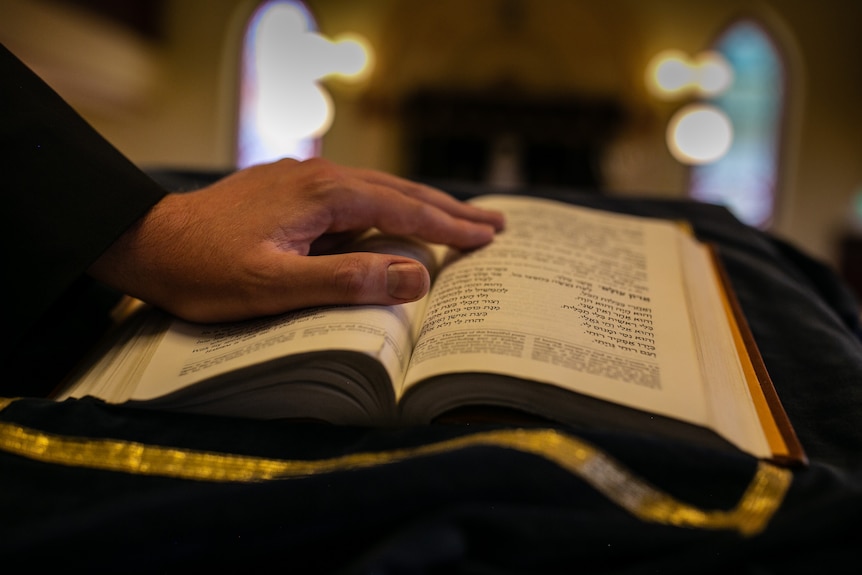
x: 169, y: 101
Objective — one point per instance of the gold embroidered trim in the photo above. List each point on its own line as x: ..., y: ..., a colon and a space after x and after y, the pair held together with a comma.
x: 758, y: 504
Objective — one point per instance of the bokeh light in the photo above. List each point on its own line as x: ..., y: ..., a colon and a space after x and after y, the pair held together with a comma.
x: 286, y: 109
x: 699, y: 134
x: 671, y: 75
x: 714, y: 74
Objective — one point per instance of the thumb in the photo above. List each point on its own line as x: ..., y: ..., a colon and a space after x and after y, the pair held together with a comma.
x: 357, y: 278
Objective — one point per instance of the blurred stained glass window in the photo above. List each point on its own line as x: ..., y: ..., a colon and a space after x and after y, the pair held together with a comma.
x: 746, y: 178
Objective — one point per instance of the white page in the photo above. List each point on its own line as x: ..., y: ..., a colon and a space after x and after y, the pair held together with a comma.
x: 538, y: 304
x: 731, y: 408
x: 192, y: 352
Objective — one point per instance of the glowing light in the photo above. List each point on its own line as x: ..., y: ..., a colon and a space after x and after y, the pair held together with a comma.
x: 290, y: 61
x: 287, y: 113
x: 285, y: 47
x: 669, y: 73
x: 672, y: 74
x: 713, y: 73
x: 286, y: 107
x: 352, y: 57
x: 699, y: 134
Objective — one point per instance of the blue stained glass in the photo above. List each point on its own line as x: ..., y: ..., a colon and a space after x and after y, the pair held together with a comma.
x: 745, y: 179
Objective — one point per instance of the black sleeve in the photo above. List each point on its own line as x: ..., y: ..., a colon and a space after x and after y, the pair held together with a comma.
x: 67, y: 195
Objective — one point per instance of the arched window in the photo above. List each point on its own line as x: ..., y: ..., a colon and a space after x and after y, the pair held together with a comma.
x: 746, y: 178
x: 281, y: 108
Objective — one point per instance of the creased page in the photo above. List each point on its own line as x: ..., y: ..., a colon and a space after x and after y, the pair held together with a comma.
x: 189, y: 352
x: 587, y: 300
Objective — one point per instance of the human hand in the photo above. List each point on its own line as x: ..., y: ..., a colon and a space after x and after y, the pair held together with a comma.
x: 248, y: 245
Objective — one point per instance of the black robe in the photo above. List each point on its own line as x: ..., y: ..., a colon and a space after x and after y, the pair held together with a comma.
x: 68, y: 194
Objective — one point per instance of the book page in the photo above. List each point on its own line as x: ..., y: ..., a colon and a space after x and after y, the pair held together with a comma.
x: 732, y: 405
x: 121, y: 358
x: 587, y: 300
x: 190, y: 352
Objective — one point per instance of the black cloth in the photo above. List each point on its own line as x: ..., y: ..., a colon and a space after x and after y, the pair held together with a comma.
x: 68, y: 194
x: 477, y: 509
x: 480, y: 509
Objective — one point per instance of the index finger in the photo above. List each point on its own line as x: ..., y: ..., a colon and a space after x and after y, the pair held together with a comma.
x: 433, y: 196
x: 362, y: 205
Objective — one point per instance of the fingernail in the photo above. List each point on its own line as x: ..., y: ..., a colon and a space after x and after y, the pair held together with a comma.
x: 407, y: 281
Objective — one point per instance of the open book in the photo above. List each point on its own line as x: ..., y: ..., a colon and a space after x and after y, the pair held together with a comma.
x: 572, y: 314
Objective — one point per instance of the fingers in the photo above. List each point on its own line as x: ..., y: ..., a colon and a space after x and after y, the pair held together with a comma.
x: 405, y: 216
x: 397, y: 206
x: 432, y: 196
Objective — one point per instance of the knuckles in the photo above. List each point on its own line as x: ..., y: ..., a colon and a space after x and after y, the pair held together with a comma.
x: 353, y: 278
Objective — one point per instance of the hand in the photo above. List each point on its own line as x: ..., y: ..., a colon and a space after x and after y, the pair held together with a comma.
x: 246, y: 246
